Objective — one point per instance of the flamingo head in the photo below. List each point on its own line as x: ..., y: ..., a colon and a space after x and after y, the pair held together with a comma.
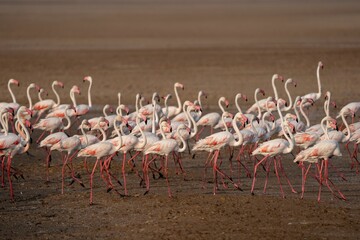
x: 189, y: 103
x: 156, y: 96
x: 14, y: 81
x: 125, y: 108
x: 202, y: 93
x: 75, y: 89
x: 321, y: 65
x: 244, y: 97
x: 58, y: 83
x: 242, y: 118
x: 87, y: 78
x: 308, y: 100
x: 261, y: 91
x: 179, y: 85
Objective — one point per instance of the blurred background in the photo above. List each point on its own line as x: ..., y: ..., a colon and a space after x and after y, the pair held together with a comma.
x: 221, y: 47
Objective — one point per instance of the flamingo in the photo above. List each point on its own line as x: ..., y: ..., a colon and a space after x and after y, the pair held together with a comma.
x: 324, y: 149
x: 211, y: 119
x: 83, y: 109
x: 71, y: 145
x: 129, y: 142
x: 14, y: 105
x: 99, y: 150
x: 164, y: 147
x: 41, y: 92
x: 263, y: 103
x: 44, y: 105
x: 59, y: 111
x: 11, y: 143
x: 314, y: 96
x: 216, y: 141
x: 273, y: 148
x: 51, y: 124
x: 181, y: 117
x: 349, y: 109
x: 172, y: 110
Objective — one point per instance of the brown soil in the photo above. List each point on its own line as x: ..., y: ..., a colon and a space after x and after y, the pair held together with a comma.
x: 223, y: 49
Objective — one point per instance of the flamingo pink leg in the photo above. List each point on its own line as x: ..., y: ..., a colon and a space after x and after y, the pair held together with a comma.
x: 255, y: 170
x: 91, y: 181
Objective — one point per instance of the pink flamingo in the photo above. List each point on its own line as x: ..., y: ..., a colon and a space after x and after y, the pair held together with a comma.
x: 71, y: 145
x: 51, y: 124
x: 264, y: 103
x: 129, y: 142
x: 83, y: 109
x: 59, y: 111
x: 48, y: 104
x: 216, y: 141
x: 99, y: 150
x: 314, y: 96
x: 172, y: 110
x: 211, y: 119
x: 325, y: 149
x: 164, y: 147
x: 349, y: 109
x: 9, y: 145
x: 274, y: 148
x: 14, y: 105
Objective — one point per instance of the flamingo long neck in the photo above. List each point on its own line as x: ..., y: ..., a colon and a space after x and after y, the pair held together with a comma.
x: 137, y: 103
x: 274, y: 87
x: 166, y: 106
x: 11, y: 92
x: 178, y: 109
x: 324, y: 128
x: 318, y: 95
x: 295, y: 108
x: 199, y: 98
x: 223, y: 120
x: 28, y: 96
x: 286, y: 129
x: 220, y: 104
x: 191, y: 123
x: 4, y: 123
x: 162, y: 131
x: 72, y: 97
x: 22, y: 126
x: 257, y: 103
x: 183, y: 148
x: 116, y: 127
x: 241, y: 138
x: 104, y: 110
x: 102, y: 133
x: 327, y: 104
x: 304, y: 114
x: 84, y: 134
x: 56, y: 94
x: 39, y: 94
x: 289, y: 96
x: 237, y: 102
x: 153, y: 120
x: 68, y: 125
x: 89, y: 92
x: 142, y: 133
x: 347, y: 138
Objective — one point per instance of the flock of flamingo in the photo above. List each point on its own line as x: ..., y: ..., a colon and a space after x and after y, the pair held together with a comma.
x: 153, y: 133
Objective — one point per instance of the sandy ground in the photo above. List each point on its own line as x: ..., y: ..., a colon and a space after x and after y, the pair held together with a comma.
x: 221, y: 48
